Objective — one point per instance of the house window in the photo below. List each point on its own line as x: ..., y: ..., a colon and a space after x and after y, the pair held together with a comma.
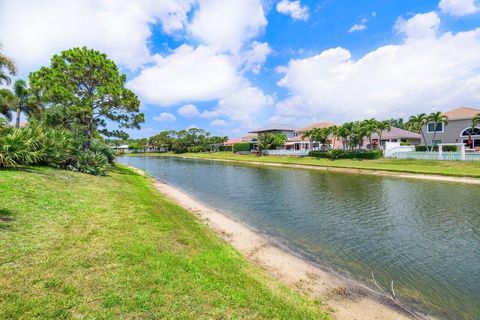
x: 431, y: 127
x: 468, y: 131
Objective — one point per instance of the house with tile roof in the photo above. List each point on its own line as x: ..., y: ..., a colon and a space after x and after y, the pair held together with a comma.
x: 458, y: 130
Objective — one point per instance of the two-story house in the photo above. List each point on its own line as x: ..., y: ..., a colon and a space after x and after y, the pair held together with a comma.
x: 458, y: 130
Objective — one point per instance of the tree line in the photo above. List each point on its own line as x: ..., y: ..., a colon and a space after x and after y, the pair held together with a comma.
x: 189, y: 140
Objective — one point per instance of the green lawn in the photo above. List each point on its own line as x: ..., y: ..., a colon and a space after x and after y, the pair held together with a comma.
x: 79, y: 246
x: 446, y: 168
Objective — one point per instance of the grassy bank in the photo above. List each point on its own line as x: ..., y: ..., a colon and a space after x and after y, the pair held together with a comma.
x: 79, y: 246
x: 446, y: 168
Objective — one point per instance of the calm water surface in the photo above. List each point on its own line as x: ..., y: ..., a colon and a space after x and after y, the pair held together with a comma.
x: 423, y: 235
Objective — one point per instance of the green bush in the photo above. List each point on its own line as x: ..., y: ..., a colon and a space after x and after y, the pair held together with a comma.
x: 58, y: 148
x: 343, y: 154
x: 195, y: 149
x: 435, y: 148
x: 243, y: 146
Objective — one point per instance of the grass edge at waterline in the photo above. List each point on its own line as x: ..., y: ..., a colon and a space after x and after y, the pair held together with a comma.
x: 466, y: 169
x: 76, y: 245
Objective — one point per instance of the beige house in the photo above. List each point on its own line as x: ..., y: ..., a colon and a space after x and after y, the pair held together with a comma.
x: 458, y: 130
x: 300, y: 142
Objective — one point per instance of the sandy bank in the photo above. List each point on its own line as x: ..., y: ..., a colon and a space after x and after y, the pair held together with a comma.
x: 383, y: 173
x: 348, y: 299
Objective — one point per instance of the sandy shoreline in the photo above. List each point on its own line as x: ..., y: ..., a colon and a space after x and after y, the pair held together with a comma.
x: 348, y: 299
x: 382, y: 173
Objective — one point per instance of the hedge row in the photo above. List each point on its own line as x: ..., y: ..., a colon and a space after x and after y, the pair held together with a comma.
x: 243, y: 146
x: 435, y: 148
x: 342, y: 154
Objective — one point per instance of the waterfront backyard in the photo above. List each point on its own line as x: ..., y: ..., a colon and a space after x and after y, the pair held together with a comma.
x: 420, y: 234
x: 79, y: 246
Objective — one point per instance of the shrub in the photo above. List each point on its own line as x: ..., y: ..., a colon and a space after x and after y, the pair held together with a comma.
x: 243, y: 146
x: 435, y: 148
x: 343, y: 154
x: 58, y: 148
x: 195, y: 149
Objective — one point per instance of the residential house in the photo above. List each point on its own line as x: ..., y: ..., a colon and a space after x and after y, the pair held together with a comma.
x: 274, y: 129
x: 458, y: 130
x: 300, y: 142
x: 393, y: 135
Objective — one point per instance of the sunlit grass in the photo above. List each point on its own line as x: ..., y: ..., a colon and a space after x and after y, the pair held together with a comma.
x: 79, y: 246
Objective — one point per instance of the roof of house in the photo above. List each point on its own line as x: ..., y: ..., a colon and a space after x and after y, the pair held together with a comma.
x: 397, y: 133
x: 274, y: 127
x: 232, y: 141
x: 461, y: 113
x: 322, y: 124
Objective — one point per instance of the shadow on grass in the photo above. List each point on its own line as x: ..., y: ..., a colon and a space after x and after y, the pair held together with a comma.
x: 5, y: 219
x: 122, y: 169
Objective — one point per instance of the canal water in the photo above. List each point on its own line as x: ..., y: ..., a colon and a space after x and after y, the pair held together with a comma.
x: 423, y: 235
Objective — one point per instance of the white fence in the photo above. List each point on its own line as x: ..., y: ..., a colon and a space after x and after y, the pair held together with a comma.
x: 394, y: 148
x: 287, y: 152
x: 445, y: 156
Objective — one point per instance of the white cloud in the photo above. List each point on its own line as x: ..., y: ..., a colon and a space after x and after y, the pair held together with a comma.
x: 188, y: 74
x: 241, y: 106
x: 32, y: 31
x: 165, y: 117
x: 218, y: 123
x: 357, y: 27
x: 422, y: 25
x: 458, y: 7
x: 293, y: 9
x: 256, y: 56
x: 426, y: 72
x: 188, y: 111
x: 227, y: 25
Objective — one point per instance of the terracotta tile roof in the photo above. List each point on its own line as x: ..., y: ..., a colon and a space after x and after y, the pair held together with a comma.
x: 232, y: 141
x: 322, y: 124
x: 461, y: 113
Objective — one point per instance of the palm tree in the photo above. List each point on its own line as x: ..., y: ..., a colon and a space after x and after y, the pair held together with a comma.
x: 23, y: 101
x: 266, y: 141
x: 436, y: 118
x: 381, y: 127
x: 333, y: 130
x: 322, y: 136
x: 416, y: 123
x: 9, y: 64
x: 309, y: 134
x: 7, y: 101
x: 475, y: 121
x: 369, y: 127
x: 343, y: 132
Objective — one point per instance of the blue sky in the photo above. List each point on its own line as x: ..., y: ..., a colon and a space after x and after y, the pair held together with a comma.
x: 229, y: 66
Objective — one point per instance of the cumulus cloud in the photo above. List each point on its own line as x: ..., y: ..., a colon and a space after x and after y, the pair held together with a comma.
x: 227, y: 25
x: 241, y: 106
x: 422, y: 25
x: 255, y: 57
x: 188, y: 111
x: 427, y: 71
x: 165, y: 117
x: 32, y: 31
x: 293, y: 9
x: 188, y: 74
x: 218, y: 123
x: 459, y: 7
